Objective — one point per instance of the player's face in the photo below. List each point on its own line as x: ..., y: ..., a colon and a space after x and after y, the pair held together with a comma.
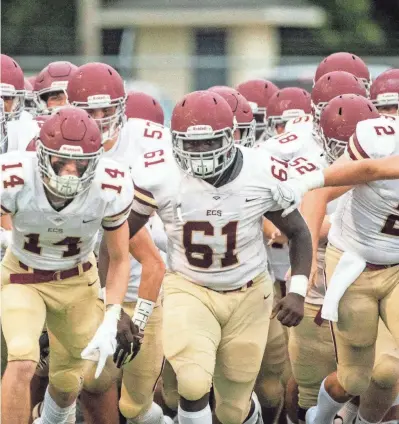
x: 8, y: 103
x: 57, y: 99
x: 101, y: 113
x: 280, y: 128
x: 65, y: 167
x: 202, y: 146
x: 388, y: 110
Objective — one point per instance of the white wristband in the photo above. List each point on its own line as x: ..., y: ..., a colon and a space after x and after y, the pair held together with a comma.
x: 299, y: 284
x: 142, y: 312
x: 313, y: 180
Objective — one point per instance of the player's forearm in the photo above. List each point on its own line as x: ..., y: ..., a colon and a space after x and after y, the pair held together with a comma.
x: 361, y: 172
x: 152, y: 274
x: 117, y: 279
x: 313, y: 209
x: 301, y: 253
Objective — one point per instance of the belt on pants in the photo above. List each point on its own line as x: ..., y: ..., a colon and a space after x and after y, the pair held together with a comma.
x: 244, y: 287
x: 375, y: 267
x: 43, y: 276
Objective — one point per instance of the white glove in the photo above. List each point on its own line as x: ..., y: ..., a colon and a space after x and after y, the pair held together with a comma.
x: 103, y: 344
x: 5, y: 238
x: 288, y: 194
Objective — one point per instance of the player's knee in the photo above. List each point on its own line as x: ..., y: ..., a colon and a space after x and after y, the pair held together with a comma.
x: 23, y: 348
x: 104, y: 381
x: 386, y: 371
x: 134, y: 404
x: 193, y: 382
x: 66, y: 381
x: 269, y: 390
x: 356, y: 380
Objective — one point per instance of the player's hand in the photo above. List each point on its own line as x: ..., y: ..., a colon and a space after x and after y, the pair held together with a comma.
x: 43, y: 365
x: 288, y: 194
x: 103, y: 344
x: 128, y: 340
x: 289, y: 310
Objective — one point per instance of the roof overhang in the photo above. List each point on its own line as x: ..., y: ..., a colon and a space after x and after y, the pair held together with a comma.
x: 119, y: 17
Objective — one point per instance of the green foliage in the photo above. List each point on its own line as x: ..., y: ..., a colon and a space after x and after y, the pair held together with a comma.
x: 38, y: 26
x: 349, y: 24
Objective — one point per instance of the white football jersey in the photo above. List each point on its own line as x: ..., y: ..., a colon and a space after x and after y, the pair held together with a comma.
x: 45, y: 239
x: 20, y: 133
x: 136, y: 137
x: 367, y: 217
x: 299, y: 124
x: 214, y: 234
x: 290, y: 145
x: 302, y: 151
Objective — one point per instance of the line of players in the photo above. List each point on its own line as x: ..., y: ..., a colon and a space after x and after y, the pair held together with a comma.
x: 210, y: 289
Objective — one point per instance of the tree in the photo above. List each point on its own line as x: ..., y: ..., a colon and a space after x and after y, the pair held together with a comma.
x: 350, y: 24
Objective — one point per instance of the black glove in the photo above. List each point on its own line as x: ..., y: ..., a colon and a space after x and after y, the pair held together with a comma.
x: 44, y: 344
x: 128, y: 339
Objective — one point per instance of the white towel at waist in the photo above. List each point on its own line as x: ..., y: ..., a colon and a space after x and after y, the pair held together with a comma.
x: 348, y: 269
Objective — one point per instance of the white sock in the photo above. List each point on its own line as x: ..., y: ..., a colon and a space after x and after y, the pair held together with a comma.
x: 360, y: 420
x: 396, y: 401
x: 327, y: 407
x: 153, y: 416
x: 253, y: 419
x: 199, y: 417
x: 348, y: 413
x: 72, y: 415
x: 52, y: 413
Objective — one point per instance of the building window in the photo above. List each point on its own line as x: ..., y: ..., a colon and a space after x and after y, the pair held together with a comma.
x: 210, y: 61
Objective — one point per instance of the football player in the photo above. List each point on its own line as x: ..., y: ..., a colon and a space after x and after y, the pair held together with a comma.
x: 245, y: 134
x: 366, y: 243
x: 286, y: 104
x: 384, y: 92
x: 58, y: 199
x: 51, y: 84
x: 258, y: 93
x: 211, y: 195
x: 143, y: 106
x: 300, y: 145
x: 99, y: 89
x: 12, y: 87
x: 344, y: 61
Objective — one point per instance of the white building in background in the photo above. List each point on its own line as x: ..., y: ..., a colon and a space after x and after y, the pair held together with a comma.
x: 194, y: 43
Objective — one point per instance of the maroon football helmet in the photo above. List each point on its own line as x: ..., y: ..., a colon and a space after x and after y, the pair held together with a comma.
x: 258, y: 93
x: 384, y: 91
x: 348, y: 62
x: 69, y: 134
x: 332, y: 85
x: 242, y: 112
x: 98, y: 87
x: 12, y: 87
x: 203, y: 128
x: 286, y: 104
x: 339, y: 119
x: 52, y: 79
x: 143, y: 106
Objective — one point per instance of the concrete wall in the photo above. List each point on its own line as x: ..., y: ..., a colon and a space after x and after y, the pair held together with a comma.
x: 163, y: 56
x: 251, y: 48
